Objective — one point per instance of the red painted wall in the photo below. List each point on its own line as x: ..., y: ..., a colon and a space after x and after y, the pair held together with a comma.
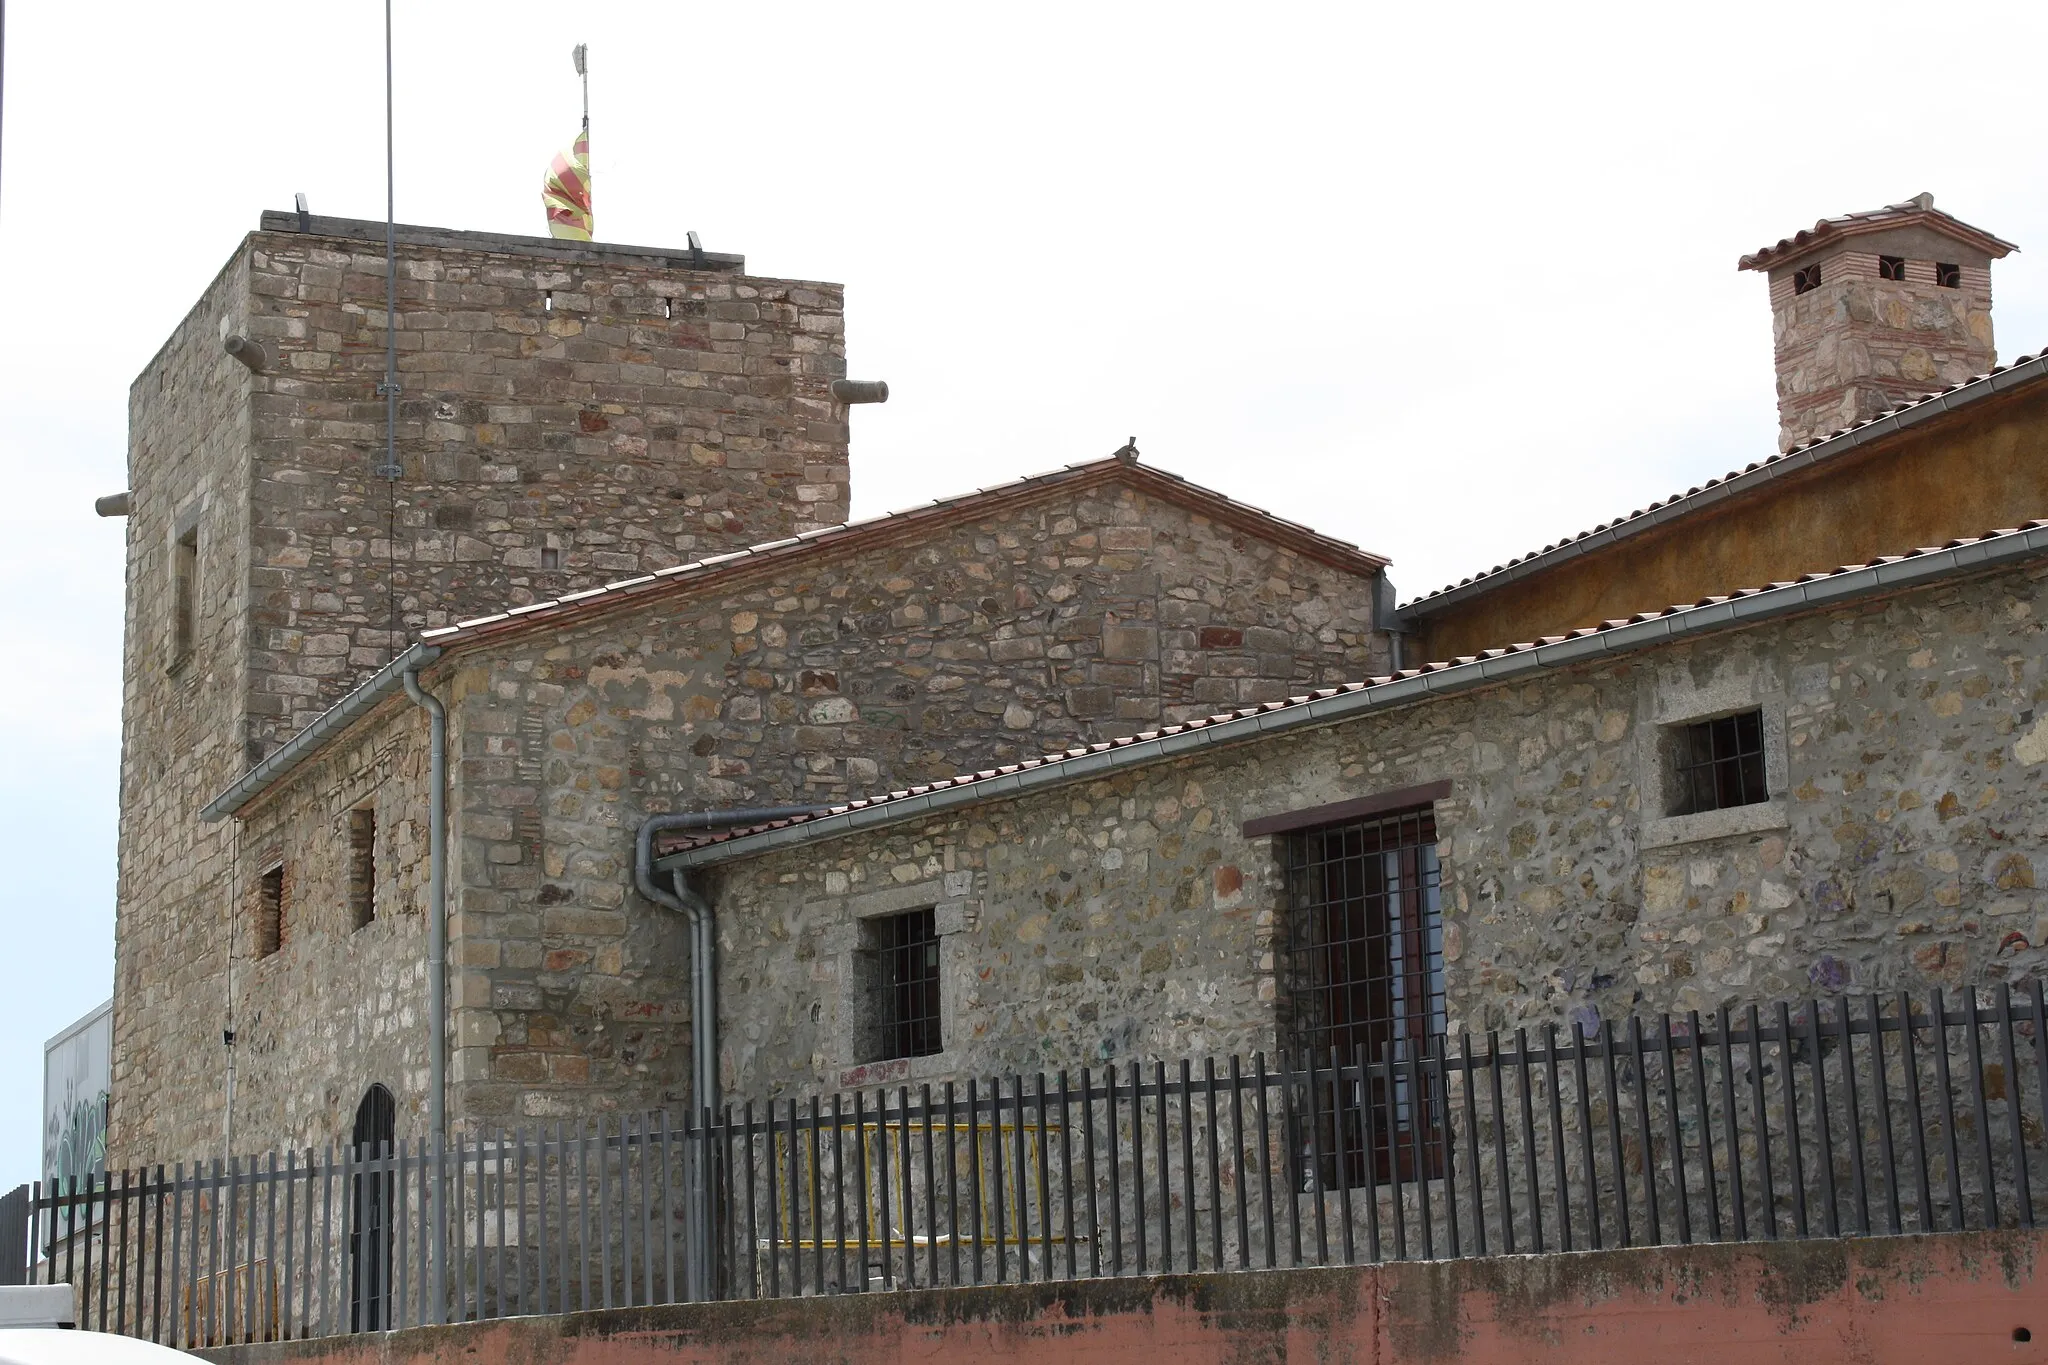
x: 1957, y: 1299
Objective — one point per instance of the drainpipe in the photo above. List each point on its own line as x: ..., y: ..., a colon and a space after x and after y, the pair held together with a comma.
x: 685, y: 900
x: 437, y: 944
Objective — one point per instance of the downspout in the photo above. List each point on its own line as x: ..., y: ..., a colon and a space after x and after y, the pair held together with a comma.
x: 437, y: 944
x: 685, y: 900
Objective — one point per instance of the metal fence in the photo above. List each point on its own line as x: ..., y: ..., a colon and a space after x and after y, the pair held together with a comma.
x: 1832, y: 1118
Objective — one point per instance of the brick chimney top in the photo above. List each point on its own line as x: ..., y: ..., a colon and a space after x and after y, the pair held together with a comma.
x: 1873, y: 309
x: 1917, y: 212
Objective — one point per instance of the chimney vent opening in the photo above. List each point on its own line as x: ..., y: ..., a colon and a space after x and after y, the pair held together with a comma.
x: 1806, y: 279
x: 1948, y: 276
x: 1891, y: 268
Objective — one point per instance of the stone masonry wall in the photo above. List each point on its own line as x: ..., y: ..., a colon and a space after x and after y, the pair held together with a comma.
x: 1859, y: 344
x: 571, y: 416
x: 1077, y: 613
x: 1905, y: 844
x: 1076, y: 617
x: 338, y: 1007
x: 180, y: 733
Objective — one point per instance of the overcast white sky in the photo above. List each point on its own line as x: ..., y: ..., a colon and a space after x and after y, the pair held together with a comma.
x: 1450, y: 281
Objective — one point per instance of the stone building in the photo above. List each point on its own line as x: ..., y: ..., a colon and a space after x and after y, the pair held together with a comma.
x: 1494, y: 842
x: 1865, y: 467
x: 1520, y: 832
x: 574, y: 414
x: 1873, y: 309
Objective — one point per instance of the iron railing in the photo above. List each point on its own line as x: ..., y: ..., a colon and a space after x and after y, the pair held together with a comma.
x: 1837, y: 1118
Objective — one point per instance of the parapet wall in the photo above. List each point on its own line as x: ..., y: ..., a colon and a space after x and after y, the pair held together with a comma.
x: 1962, y: 1298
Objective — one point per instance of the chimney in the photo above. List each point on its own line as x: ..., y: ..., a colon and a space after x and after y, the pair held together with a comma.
x: 1873, y: 309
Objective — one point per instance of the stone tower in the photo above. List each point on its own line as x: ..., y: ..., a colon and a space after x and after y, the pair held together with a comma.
x: 1874, y: 308
x: 571, y: 414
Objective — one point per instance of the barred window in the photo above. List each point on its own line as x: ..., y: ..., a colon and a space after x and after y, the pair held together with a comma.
x: 1720, y: 763
x: 1891, y: 267
x: 903, y: 986
x: 1365, y: 978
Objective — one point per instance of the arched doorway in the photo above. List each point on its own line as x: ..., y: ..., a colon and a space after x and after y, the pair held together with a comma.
x: 370, y: 1198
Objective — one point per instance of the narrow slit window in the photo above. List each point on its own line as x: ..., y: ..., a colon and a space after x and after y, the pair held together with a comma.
x: 1806, y: 279
x: 272, y: 932
x: 904, y: 982
x: 1721, y: 764
x: 184, y: 592
x: 547, y: 301
x: 1948, y: 275
x: 362, y: 865
x: 1891, y: 268
x: 668, y: 308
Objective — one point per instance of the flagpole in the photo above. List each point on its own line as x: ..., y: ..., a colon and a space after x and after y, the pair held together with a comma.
x: 582, y: 56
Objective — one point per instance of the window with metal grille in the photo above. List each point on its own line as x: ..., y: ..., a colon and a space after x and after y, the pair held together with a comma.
x: 1365, y: 981
x: 1806, y: 279
x: 1720, y: 763
x: 1891, y: 267
x: 903, y: 981
x: 1947, y: 275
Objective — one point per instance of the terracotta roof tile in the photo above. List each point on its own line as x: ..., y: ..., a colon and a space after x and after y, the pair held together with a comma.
x: 1104, y: 746
x: 1804, y: 446
x: 1172, y: 486
x: 1918, y: 210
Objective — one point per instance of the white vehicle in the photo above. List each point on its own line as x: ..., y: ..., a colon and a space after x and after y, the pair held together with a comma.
x: 38, y: 1305
x: 36, y: 1329
x: 56, y: 1346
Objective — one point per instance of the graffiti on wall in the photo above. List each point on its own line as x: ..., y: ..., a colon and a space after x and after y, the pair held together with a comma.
x: 75, y: 1081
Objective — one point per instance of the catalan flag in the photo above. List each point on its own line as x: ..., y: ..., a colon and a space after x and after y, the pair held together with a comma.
x: 566, y: 191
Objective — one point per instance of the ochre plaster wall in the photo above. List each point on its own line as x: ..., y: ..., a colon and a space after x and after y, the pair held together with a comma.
x: 1960, y: 476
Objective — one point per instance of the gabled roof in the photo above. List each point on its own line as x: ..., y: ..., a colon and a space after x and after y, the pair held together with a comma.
x: 1919, y: 211
x: 911, y: 522
x: 906, y: 524
x: 2000, y: 379
x: 1328, y: 705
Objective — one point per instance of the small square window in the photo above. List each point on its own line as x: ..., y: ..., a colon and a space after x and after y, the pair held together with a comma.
x: 1891, y: 267
x: 550, y: 557
x: 1806, y: 278
x: 903, y: 987
x: 1947, y: 275
x: 362, y: 866
x: 1720, y: 763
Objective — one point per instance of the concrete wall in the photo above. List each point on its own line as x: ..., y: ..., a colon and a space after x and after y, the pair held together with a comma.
x: 1961, y: 1299
x: 1904, y: 845
x: 1962, y: 475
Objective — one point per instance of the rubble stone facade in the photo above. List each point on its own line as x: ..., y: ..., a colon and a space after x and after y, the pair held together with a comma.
x: 1905, y: 843
x: 1873, y: 310
x: 1073, y: 607
x: 571, y: 414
